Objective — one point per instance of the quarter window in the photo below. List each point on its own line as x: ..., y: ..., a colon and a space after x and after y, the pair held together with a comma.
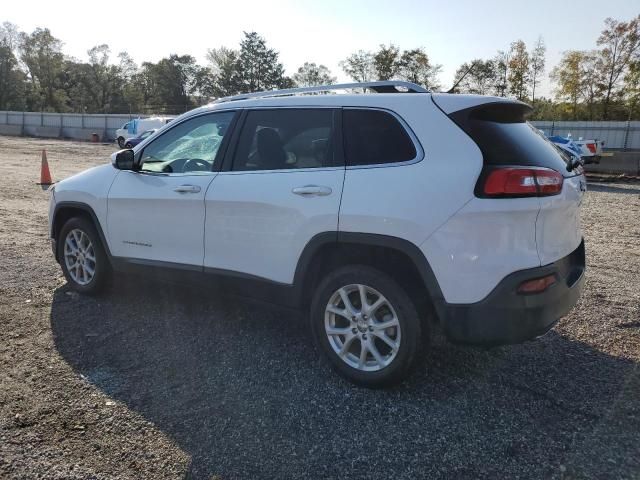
x: 191, y: 146
x: 373, y: 137
x: 286, y: 139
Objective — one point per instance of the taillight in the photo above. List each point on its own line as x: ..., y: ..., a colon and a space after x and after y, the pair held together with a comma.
x: 591, y: 147
x: 522, y: 182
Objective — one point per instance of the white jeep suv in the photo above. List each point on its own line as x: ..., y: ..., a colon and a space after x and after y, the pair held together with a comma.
x: 381, y: 214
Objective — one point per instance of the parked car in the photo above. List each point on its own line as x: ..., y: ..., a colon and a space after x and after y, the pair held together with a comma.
x: 381, y: 215
x: 568, y: 147
x: 135, y: 127
x: 591, y: 150
x: 132, y: 142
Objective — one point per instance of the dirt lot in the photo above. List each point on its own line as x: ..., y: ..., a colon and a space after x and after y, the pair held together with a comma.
x: 154, y: 381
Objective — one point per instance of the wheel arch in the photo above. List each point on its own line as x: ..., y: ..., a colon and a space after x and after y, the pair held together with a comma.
x: 65, y: 210
x: 397, y: 257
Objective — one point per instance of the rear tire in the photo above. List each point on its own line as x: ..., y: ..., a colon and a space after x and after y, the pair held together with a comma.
x: 127, y: 145
x: 374, y: 345
x: 82, y: 257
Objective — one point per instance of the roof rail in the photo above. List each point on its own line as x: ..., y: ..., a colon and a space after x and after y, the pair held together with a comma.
x: 387, y: 86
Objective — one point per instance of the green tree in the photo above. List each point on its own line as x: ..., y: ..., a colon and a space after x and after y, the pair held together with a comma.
x: 310, y: 74
x: 518, y: 76
x: 386, y: 62
x: 537, y: 63
x: 258, y: 66
x: 359, y: 66
x: 479, y: 77
x: 501, y: 63
x: 42, y: 55
x: 169, y: 84
x: 619, y: 42
x: 12, y: 79
x: 569, y: 77
x: 225, y: 71
x: 416, y: 67
x: 632, y: 89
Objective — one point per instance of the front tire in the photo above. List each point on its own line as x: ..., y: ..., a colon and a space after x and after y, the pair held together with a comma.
x: 84, y: 262
x: 121, y: 142
x: 366, y: 326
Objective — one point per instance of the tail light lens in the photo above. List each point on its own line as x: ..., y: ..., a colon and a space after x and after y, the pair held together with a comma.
x: 522, y: 182
x: 591, y: 147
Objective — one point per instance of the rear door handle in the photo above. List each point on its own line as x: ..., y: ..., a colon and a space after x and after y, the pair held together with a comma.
x: 187, y: 189
x: 312, y: 191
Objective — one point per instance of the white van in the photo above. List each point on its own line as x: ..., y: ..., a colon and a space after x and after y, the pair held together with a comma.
x: 135, y: 127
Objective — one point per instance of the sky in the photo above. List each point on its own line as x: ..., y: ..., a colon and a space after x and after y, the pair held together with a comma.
x: 323, y: 31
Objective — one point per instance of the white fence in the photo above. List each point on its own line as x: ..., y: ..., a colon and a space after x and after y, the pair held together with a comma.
x: 616, y: 135
x: 64, y: 125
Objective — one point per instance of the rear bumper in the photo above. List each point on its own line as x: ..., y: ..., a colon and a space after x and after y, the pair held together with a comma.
x: 505, y: 316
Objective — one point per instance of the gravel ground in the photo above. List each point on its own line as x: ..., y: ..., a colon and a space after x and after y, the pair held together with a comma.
x: 155, y: 381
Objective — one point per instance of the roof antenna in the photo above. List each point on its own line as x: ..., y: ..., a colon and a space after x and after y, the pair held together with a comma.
x: 452, y: 89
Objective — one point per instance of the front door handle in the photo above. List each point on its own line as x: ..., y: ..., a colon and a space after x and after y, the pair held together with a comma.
x: 312, y: 191
x: 187, y: 189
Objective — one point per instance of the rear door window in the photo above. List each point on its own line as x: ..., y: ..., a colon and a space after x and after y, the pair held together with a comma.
x: 373, y: 137
x: 285, y: 139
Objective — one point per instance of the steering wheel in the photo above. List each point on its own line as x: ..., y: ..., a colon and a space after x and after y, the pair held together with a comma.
x: 196, y: 165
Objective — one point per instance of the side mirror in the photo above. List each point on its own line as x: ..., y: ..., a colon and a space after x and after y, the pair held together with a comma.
x: 123, y: 160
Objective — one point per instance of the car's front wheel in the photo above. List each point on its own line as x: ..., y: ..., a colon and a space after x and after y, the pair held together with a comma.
x: 366, y: 325
x: 121, y: 142
x: 82, y: 256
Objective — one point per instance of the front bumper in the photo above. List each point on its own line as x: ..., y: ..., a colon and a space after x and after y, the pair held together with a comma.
x: 506, y: 316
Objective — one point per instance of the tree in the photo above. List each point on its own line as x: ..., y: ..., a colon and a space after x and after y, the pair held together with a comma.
x: 258, y: 65
x: 224, y: 66
x: 169, y: 83
x: 620, y: 42
x: 42, y: 55
x: 591, y: 81
x: 632, y: 89
x: 359, y: 66
x: 481, y: 77
x: 310, y: 74
x: 518, y: 76
x: 501, y: 63
x: 568, y: 74
x: 386, y: 62
x: 12, y: 79
x: 416, y: 67
x: 10, y: 35
x: 536, y: 65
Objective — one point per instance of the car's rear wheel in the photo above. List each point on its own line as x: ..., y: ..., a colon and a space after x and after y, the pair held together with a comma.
x: 128, y: 145
x: 82, y: 257
x: 121, y: 142
x: 366, y: 325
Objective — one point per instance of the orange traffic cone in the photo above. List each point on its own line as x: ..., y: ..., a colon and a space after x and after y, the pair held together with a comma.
x: 45, y: 175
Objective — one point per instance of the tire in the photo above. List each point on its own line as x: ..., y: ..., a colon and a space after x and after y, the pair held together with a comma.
x: 82, y: 233
x: 127, y: 145
x: 121, y: 142
x: 397, y: 312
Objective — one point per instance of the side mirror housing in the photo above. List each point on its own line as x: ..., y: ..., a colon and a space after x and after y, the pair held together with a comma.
x: 124, y: 160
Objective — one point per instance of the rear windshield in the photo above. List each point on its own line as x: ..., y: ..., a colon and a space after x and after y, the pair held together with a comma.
x: 505, y: 138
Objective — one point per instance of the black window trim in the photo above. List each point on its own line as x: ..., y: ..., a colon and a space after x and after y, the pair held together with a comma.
x: 420, y: 155
x: 339, y: 159
x: 222, y: 150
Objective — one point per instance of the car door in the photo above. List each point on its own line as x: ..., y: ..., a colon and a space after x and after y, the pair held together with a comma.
x: 282, y: 186
x: 157, y: 214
